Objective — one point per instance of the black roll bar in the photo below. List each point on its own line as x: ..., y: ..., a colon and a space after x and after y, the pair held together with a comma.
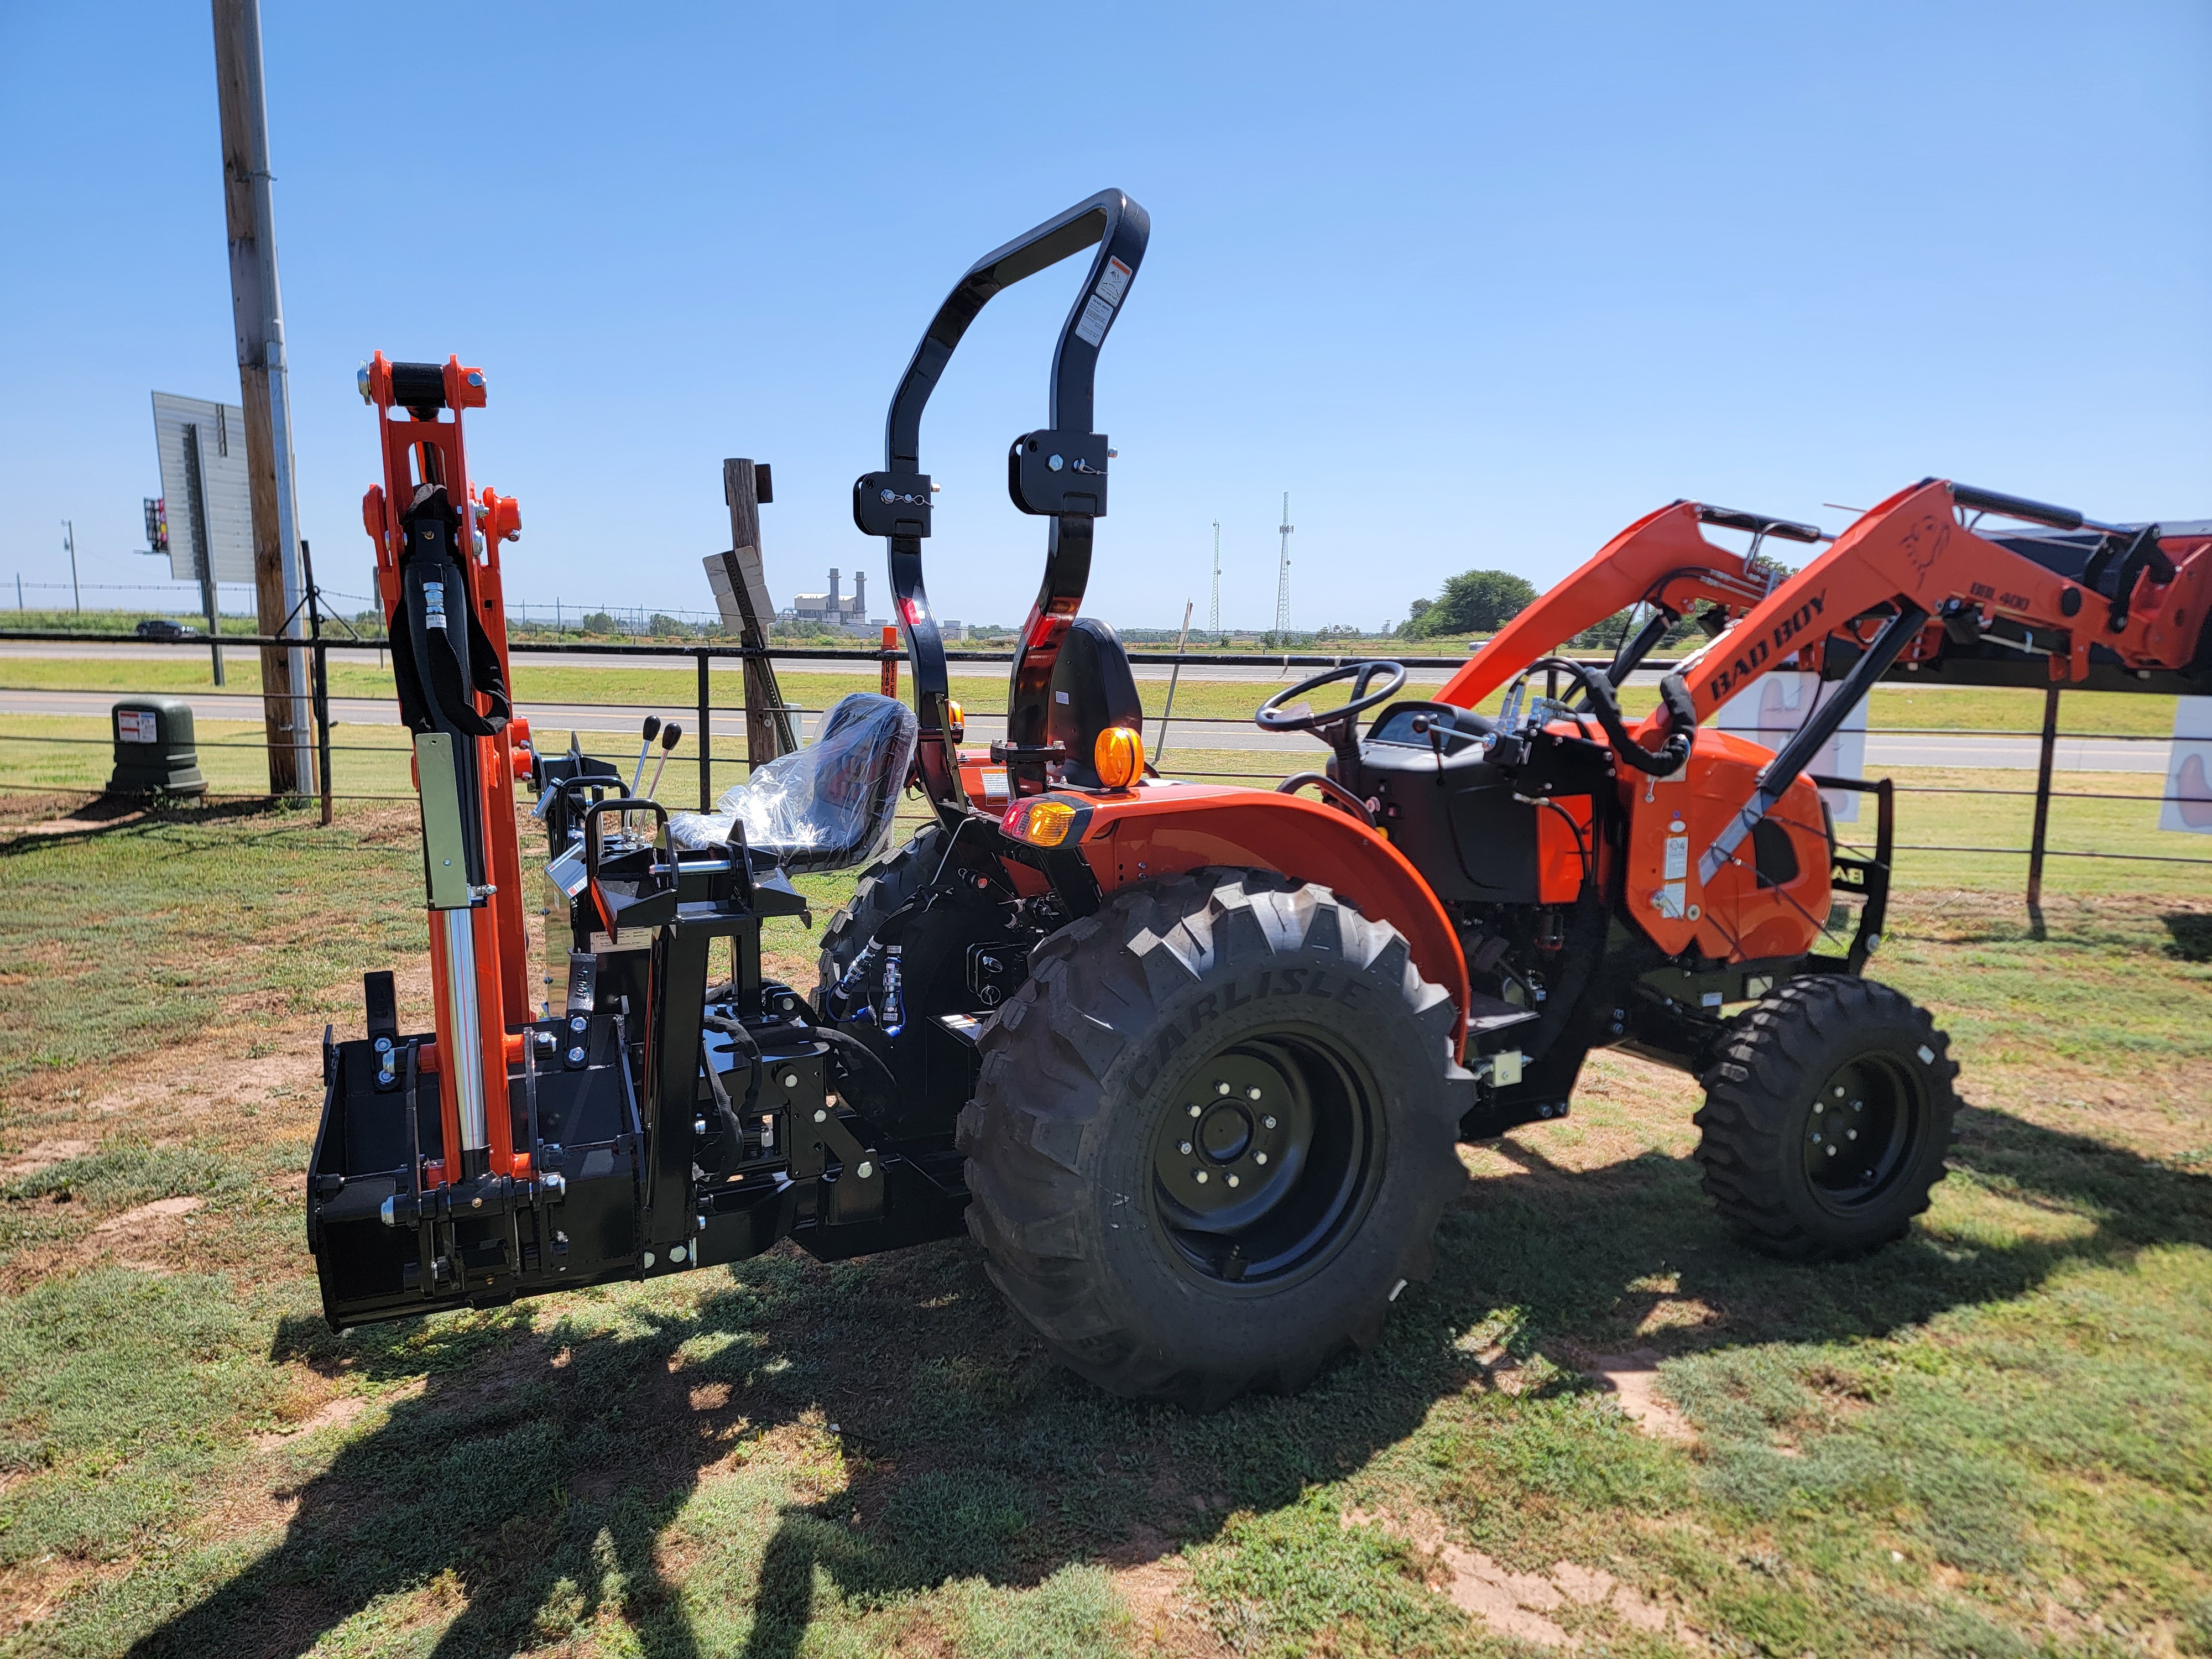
x: 894, y: 503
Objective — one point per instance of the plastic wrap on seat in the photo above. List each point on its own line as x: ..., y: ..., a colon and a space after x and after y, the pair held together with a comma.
x: 830, y: 805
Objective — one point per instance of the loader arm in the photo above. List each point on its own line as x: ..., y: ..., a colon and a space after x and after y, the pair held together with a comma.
x: 1662, y: 560
x: 1907, y: 563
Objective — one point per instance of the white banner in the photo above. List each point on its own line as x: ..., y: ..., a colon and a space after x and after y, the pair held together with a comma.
x: 2187, y: 805
x: 1773, y: 707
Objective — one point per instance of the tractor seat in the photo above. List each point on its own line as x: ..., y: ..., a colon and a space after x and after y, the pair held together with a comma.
x: 1091, y: 690
x: 827, y: 807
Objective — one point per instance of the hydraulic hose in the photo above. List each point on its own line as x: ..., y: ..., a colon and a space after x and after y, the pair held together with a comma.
x: 1674, y: 695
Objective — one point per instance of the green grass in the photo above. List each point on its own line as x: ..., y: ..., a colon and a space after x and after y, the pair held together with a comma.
x: 1994, y: 1438
x: 540, y: 680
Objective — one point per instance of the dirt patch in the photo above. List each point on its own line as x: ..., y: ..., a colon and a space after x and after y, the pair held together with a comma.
x: 1634, y: 1380
x: 42, y: 1155
x: 1515, y: 1604
x: 136, y: 1226
x: 339, y: 1410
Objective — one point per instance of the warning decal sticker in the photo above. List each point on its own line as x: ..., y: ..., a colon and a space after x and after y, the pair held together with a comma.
x: 1115, y: 282
x: 1095, y: 316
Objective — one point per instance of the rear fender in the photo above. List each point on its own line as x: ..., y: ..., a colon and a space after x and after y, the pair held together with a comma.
x: 1172, y: 829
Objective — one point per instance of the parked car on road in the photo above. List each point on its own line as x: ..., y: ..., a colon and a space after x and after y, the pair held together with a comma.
x: 160, y: 627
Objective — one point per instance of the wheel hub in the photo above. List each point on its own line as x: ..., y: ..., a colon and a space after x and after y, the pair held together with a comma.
x: 1263, y: 1153
x: 1860, y: 1132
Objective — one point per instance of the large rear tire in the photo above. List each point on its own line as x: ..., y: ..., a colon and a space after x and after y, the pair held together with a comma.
x: 1827, y: 1119
x: 1213, y: 1134
x: 884, y: 886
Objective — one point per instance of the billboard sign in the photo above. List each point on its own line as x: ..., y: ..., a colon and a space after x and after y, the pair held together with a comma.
x: 204, y: 486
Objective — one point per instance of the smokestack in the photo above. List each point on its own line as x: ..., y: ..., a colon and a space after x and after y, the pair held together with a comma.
x: 860, y: 596
x: 834, y: 609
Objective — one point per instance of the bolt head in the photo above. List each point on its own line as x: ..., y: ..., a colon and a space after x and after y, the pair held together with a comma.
x: 1230, y: 1179
x: 790, y: 1079
x: 1193, y: 1110
x: 864, y: 1169
x: 1251, y: 1094
x: 1816, y: 1137
x: 1268, y: 1122
x: 1200, y: 1176
x: 578, y: 1023
x: 1183, y: 1146
x: 1259, y: 1158
x: 820, y: 1115
x: 575, y: 1056
x: 1054, y: 462
x: 384, y: 1045
x: 1851, y: 1134
x: 1221, y: 1088
x: 1831, y: 1151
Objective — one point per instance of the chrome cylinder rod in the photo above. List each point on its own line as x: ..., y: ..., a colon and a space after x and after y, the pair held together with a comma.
x: 461, y: 1024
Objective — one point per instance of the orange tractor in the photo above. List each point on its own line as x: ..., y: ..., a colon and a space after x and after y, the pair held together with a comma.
x: 1190, y: 1062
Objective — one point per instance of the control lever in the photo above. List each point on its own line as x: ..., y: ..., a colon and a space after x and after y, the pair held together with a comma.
x: 671, y: 735
x: 652, y: 730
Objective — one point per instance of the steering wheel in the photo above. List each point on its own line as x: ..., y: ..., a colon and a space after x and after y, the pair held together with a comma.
x: 1273, y: 715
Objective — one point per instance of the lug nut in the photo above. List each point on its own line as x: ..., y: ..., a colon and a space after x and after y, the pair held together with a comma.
x: 864, y: 1169
x: 1851, y: 1134
x: 1183, y: 1146
x: 790, y: 1079
x: 1221, y: 1088
x: 1251, y: 1094
x: 1259, y: 1158
x: 1267, y: 1122
x: 1231, y: 1180
x: 1200, y: 1176
x: 1193, y: 1110
x: 1831, y: 1151
x: 820, y: 1115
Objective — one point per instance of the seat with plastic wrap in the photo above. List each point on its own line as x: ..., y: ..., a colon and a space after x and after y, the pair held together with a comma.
x: 827, y: 807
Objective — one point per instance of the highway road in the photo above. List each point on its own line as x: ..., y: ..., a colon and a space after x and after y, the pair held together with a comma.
x: 556, y: 721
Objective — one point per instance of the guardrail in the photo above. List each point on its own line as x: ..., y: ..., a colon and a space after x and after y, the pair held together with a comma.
x: 701, y: 657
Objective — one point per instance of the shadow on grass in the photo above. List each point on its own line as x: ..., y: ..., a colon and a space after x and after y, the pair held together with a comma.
x: 543, y: 1478
x: 108, y: 815
x: 2191, y: 934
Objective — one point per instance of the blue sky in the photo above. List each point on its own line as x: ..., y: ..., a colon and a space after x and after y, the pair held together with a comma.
x: 1477, y: 284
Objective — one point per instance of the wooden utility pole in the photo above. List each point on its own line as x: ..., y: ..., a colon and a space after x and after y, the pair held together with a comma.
x: 258, y: 310
x: 767, y: 723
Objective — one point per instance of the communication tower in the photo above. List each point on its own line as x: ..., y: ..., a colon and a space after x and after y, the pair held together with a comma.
x: 1283, y: 577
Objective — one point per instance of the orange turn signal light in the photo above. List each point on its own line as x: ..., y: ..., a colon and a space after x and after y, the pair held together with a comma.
x: 1119, y: 756
x: 1040, y: 820
x: 957, y: 718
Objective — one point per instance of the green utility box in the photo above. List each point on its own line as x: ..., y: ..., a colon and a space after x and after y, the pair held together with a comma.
x: 155, y: 751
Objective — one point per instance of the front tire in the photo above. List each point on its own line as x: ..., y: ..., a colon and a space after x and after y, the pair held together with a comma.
x: 1828, y: 1118
x: 1213, y: 1136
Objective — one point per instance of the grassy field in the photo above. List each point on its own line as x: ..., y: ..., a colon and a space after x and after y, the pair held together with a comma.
x: 1600, y: 1424
x: 677, y: 689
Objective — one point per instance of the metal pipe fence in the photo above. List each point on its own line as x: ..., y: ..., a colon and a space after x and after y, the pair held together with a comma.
x: 704, y: 708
